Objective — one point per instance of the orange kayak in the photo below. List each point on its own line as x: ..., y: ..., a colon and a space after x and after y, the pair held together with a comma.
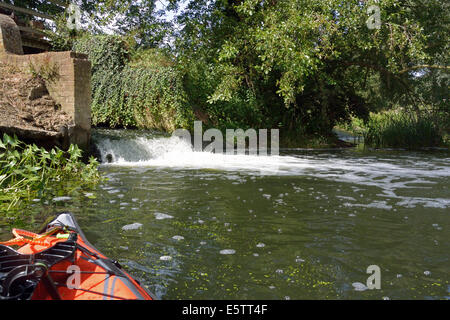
x: 59, y: 263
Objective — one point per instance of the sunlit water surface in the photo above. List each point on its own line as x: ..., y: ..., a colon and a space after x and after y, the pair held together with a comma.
x: 304, y: 225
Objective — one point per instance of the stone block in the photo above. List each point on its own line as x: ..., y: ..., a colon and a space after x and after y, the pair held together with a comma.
x: 10, y: 38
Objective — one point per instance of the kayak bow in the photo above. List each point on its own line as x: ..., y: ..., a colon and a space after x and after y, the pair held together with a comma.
x: 59, y: 263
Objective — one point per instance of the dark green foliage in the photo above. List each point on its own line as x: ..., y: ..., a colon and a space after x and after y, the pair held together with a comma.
x: 302, y: 66
x: 105, y: 52
x: 139, y: 89
x: 42, y: 6
x: 298, y: 65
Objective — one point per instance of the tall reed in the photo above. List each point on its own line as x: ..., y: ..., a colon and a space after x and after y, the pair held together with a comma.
x: 398, y: 129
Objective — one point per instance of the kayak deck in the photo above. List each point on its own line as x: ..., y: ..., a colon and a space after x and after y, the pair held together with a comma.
x: 74, y: 269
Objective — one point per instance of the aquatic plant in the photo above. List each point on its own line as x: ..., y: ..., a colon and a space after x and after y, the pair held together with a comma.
x: 28, y: 172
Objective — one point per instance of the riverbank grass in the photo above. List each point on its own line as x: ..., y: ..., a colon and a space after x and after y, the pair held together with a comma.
x: 402, y: 130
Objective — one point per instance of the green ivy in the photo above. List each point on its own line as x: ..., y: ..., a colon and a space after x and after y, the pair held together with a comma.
x: 105, y: 52
x: 140, y: 89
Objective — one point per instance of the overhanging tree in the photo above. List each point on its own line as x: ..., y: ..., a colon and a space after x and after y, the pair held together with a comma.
x: 306, y: 64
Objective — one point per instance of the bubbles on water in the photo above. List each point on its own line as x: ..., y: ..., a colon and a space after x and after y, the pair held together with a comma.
x: 260, y: 245
x: 178, y: 238
x: 279, y: 271
x: 374, y: 204
x: 227, y: 251
x: 346, y: 198
x: 165, y: 258
x: 57, y: 199
x: 162, y: 216
x: 427, y: 273
x: 133, y: 226
x: 358, y: 286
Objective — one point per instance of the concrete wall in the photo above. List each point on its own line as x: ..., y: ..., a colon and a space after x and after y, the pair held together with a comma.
x: 71, y: 87
x: 10, y: 39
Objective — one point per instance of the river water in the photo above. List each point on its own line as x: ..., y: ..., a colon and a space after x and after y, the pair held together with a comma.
x: 303, y: 225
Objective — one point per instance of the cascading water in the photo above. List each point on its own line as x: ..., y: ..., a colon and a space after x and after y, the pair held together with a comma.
x: 139, y: 149
x: 147, y: 150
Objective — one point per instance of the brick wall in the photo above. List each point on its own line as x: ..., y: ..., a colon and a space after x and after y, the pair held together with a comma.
x: 71, y: 87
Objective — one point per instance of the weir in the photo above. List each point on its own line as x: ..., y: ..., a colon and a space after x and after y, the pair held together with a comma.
x: 70, y: 88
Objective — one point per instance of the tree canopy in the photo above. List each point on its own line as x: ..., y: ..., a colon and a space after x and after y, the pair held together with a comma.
x: 315, y: 62
x: 296, y: 64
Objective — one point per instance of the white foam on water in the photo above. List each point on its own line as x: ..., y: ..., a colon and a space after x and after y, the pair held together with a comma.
x: 358, y: 286
x: 407, y: 172
x: 133, y: 226
x: 162, y: 216
x: 62, y: 199
x: 227, y: 251
x: 165, y: 258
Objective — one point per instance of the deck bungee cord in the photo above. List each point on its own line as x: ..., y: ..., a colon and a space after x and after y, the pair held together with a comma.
x: 43, y: 264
